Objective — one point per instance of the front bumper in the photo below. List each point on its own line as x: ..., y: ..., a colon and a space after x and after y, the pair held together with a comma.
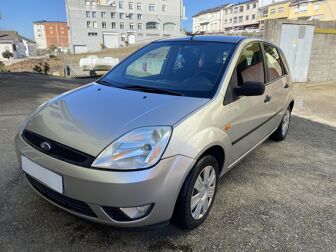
x: 159, y: 185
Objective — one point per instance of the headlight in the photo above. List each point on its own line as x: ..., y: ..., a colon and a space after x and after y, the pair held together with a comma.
x: 138, y: 149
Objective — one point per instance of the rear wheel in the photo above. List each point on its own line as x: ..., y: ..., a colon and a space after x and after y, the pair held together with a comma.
x: 197, y: 194
x: 281, y: 132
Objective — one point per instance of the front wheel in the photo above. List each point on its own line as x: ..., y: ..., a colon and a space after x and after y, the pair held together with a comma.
x: 197, y: 194
x: 281, y: 132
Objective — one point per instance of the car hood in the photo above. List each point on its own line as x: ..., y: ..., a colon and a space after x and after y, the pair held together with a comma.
x: 90, y: 118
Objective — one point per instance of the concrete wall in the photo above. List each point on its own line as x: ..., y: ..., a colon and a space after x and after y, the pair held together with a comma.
x: 323, y: 52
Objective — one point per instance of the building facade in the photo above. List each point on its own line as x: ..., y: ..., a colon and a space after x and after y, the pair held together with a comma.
x: 228, y: 18
x: 97, y: 24
x: 210, y: 20
x: 19, y: 46
x: 323, y: 10
x: 50, y: 33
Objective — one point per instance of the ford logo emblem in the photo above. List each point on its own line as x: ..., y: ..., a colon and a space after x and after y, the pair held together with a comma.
x: 45, y: 146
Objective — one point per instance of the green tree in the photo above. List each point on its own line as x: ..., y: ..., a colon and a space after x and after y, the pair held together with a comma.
x: 7, y: 54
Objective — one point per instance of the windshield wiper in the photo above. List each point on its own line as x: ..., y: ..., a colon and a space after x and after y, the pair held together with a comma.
x: 152, y: 90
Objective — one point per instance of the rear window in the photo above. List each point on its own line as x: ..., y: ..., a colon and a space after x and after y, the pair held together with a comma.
x: 192, y: 68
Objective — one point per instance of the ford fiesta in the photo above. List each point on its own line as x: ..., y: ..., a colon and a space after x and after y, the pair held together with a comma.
x: 147, y: 142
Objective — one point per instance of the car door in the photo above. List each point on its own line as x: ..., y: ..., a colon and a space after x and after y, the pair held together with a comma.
x: 277, y: 81
x: 247, y: 117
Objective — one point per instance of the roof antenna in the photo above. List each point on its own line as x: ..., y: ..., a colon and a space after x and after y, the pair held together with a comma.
x: 199, y: 29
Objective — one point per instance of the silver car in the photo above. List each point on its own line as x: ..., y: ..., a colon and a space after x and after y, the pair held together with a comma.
x: 146, y: 143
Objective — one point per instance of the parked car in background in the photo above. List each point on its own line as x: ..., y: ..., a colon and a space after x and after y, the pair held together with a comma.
x: 148, y: 142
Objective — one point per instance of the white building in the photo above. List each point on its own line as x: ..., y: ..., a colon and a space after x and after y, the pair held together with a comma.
x: 228, y: 18
x: 97, y: 24
x: 40, y: 36
x: 19, y: 46
x: 210, y: 20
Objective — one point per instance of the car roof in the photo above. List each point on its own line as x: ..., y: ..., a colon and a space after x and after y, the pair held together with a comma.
x: 227, y: 39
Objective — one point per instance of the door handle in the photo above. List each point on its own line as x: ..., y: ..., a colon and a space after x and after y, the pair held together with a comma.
x: 268, y: 98
x: 286, y: 85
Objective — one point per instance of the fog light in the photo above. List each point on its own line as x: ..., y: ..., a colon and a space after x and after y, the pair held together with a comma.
x: 137, y: 212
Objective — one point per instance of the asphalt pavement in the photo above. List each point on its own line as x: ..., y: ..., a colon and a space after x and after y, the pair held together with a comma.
x: 281, y: 197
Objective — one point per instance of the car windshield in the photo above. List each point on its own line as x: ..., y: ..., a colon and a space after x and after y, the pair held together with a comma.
x: 188, y: 68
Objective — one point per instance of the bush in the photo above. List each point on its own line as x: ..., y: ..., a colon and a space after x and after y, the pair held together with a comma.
x: 52, y: 56
x: 42, y: 68
x: 7, y: 54
x: 2, y: 67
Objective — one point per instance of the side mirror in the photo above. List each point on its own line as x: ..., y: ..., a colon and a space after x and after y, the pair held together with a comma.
x: 251, y: 88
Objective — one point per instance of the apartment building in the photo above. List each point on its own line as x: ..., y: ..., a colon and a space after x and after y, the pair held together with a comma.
x: 97, y: 24
x: 227, y: 18
x: 243, y: 15
x: 210, y: 20
x: 51, y: 33
x: 323, y: 10
x: 277, y: 10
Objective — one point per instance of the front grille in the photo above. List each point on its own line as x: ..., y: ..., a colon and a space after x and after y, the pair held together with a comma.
x: 116, y: 214
x: 64, y: 201
x: 58, y: 150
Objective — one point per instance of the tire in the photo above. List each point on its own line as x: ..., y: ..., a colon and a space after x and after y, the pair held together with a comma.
x: 186, y: 216
x: 281, y: 132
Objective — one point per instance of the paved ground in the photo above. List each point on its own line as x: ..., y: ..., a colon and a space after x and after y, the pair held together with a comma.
x: 281, y: 197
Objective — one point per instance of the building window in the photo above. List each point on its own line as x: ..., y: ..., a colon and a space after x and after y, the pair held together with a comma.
x: 281, y: 9
x: 95, y: 25
x: 103, y: 24
x: 253, y: 16
x: 152, y: 26
x: 121, y: 5
x: 88, y: 14
x: 121, y: 15
x: 303, y: 8
x: 139, y: 6
x: 131, y: 16
x: 130, y: 5
x: 225, y: 21
x: 169, y: 27
x: 93, y: 3
x: 240, y: 19
x: 103, y: 14
x: 122, y: 26
x: 316, y: 6
x: 123, y: 37
x: 247, y: 6
x: 131, y: 26
x: 113, y: 25
x: 92, y: 34
x: 87, y: 3
x: 151, y: 7
x: 247, y: 18
x: 235, y: 10
x: 139, y: 16
x: 272, y: 11
x: 94, y: 14
x: 140, y: 26
x: 164, y: 8
x: 235, y: 20
x: 88, y: 24
x: 113, y: 15
x: 254, y: 5
x: 241, y: 8
x: 230, y: 20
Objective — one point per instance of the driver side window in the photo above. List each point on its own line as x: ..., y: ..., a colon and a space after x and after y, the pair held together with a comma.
x: 250, y: 67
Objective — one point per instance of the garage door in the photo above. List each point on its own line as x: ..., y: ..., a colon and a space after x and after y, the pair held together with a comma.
x: 80, y: 49
x: 110, y: 40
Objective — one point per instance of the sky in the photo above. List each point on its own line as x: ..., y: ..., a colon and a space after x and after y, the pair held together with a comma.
x: 19, y: 15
